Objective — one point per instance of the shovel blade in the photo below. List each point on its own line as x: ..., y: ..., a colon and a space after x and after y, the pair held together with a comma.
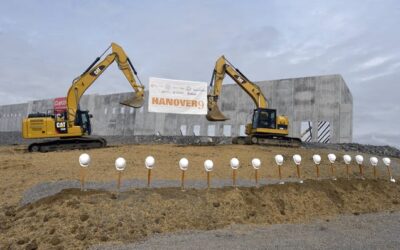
x: 135, y: 102
x: 214, y: 114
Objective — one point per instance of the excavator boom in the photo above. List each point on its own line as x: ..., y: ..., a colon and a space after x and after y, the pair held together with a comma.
x: 86, y: 79
x: 223, y: 67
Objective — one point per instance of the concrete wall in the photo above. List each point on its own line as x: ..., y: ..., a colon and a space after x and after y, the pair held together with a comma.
x: 319, y: 98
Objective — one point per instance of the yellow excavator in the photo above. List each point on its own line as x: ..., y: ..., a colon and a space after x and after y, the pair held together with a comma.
x: 266, y: 127
x: 72, y: 126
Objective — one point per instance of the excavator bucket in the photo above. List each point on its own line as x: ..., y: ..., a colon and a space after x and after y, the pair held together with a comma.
x: 214, y: 114
x: 136, y: 101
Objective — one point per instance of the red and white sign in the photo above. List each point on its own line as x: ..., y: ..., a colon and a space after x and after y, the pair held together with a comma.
x: 177, y: 96
x: 60, y: 104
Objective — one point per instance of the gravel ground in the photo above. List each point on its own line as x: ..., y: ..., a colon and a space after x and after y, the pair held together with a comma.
x: 387, y: 151
x: 367, y: 231
x: 46, y: 189
x: 14, y: 138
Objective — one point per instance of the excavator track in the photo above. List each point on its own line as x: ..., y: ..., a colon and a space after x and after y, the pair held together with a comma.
x: 281, y: 141
x: 68, y: 144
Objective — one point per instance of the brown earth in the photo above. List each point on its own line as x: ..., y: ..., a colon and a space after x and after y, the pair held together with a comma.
x: 74, y: 219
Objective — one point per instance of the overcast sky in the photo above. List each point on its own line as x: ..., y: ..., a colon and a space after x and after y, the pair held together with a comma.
x: 45, y: 44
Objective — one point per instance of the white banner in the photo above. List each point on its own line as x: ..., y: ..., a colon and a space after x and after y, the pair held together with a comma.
x: 177, y: 96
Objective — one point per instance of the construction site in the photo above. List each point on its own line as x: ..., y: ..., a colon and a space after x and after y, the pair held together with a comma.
x: 114, y: 137
x: 129, y: 175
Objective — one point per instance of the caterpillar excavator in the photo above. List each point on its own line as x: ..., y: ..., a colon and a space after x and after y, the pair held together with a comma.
x: 72, y: 126
x: 266, y: 127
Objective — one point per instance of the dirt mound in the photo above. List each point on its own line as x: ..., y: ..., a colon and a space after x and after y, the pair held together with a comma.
x: 76, y: 219
x: 72, y: 219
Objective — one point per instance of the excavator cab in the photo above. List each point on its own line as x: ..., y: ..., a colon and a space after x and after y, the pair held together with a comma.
x: 268, y: 119
x: 264, y: 118
x: 267, y: 123
x: 83, y: 120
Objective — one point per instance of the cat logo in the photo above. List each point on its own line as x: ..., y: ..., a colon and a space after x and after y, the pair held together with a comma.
x: 60, y: 124
x: 61, y: 127
x: 97, y: 71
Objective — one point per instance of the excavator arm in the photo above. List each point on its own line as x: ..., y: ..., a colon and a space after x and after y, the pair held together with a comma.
x: 86, y: 79
x: 266, y: 126
x: 224, y: 67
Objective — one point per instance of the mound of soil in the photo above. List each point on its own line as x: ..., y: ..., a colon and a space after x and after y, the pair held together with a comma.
x: 75, y: 219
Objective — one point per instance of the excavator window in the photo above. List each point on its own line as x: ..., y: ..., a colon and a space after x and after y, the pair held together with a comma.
x: 264, y: 118
x: 83, y: 120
